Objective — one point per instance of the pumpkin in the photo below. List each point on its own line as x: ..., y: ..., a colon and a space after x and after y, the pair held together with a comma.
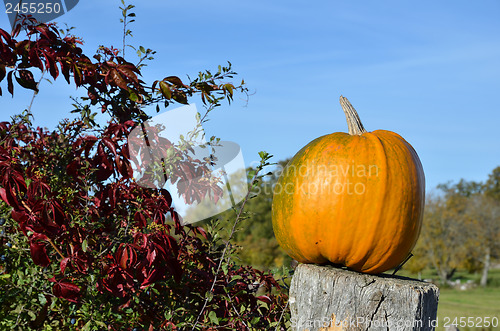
x: 352, y: 199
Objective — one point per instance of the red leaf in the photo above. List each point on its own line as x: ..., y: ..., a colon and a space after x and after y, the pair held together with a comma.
x: 8, y: 197
x: 124, y: 167
x: 126, y: 256
x: 123, y: 260
x: 109, y: 144
x: 44, y: 30
x: 38, y: 252
x: 167, y: 196
x: 153, y: 275
x: 127, y: 71
x: 51, y: 64
x: 65, y: 69
x: 117, y: 79
x: 117, y: 281
x: 89, y: 143
x: 77, y: 75
x: 5, y: 36
x: 139, y: 219
x: 175, y: 80
x: 64, y: 263
x: 65, y: 290
x: 202, y: 231
x: 34, y: 59
x: 10, y: 84
x: 151, y: 256
x: 3, y: 196
x: 27, y: 80
x: 105, y: 168
x: 72, y: 168
x: 16, y: 30
x: 264, y: 298
x: 19, y: 216
x: 3, y: 72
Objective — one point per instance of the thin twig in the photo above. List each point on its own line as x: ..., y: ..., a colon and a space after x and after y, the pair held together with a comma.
x: 17, y: 16
x: 35, y: 94
x: 281, y: 317
x: 236, y: 311
x: 124, y: 34
x: 233, y: 230
x: 57, y: 249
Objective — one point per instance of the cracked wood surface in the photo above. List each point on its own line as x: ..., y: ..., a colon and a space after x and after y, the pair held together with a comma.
x: 328, y: 298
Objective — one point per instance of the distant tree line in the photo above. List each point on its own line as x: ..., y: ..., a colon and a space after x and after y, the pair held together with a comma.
x: 461, y: 229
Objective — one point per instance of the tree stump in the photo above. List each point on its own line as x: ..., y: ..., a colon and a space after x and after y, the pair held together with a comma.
x: 328, y: 298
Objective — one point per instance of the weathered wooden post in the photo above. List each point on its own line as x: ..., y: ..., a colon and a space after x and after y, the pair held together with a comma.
x: 328, y: 298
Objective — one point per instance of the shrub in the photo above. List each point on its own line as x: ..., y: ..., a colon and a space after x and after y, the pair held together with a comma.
x: 83, y: 245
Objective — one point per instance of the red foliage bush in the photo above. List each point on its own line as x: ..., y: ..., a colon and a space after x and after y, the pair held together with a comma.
x: 100, y: 237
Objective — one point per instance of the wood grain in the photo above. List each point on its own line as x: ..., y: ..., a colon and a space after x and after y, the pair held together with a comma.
x: 328, y: 298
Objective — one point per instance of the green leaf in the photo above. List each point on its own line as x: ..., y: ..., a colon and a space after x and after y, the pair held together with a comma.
x: 255, y: 320
x: 132, y: 96
x: 85, y: 245
x: 213, y: 317
x: 165, y: 90
x: 229, y: 88
x: 42, y: 299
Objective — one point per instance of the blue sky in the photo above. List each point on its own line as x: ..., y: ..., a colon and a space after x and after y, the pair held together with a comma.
x: 428, y: 70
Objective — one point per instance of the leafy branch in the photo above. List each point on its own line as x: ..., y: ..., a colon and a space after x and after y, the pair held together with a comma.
x: 126, y: 14
x: 263, y: 163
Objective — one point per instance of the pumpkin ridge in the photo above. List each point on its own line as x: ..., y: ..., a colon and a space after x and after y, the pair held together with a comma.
x: 378, y: 222
x: 341, y: 246
x: 322, y: 148
x: 286, y: 226
x: 308, y: 228
x: 382, y: 218
x: 279, y: 211
x: 389, y: 218
x: 346, y: 211
x: 405, y: 219
x: 330, y: 248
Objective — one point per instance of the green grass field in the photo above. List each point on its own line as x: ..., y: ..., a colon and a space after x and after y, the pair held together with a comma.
x: 477, y: 303
x: 469, y: 307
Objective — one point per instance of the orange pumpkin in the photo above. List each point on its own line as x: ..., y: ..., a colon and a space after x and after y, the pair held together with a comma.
x: 353, y: 199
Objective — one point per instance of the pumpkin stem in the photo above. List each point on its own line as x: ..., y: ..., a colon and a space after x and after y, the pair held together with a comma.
x: 353, y: 122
